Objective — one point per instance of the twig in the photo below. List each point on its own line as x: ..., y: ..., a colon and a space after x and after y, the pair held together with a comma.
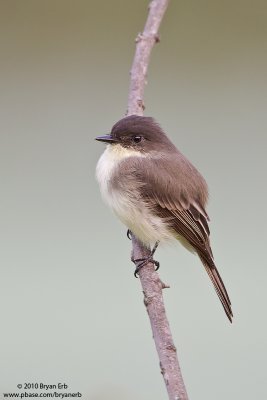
x: 144, y: 44
x: 151, y: 283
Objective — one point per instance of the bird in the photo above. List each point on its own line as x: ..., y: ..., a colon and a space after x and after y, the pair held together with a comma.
x: 157, y: 192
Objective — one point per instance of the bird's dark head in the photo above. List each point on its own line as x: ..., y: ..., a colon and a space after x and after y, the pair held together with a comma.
x: 142, y: 134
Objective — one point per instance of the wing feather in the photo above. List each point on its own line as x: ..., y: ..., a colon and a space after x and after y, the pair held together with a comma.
x: 182, y: 206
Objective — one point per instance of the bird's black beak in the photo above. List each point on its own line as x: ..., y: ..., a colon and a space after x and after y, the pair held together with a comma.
x: 106, y: 139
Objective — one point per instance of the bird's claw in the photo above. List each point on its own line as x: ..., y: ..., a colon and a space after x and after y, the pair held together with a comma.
x: 143, y: 262
x: 129, y: 234
x: 157, y: 265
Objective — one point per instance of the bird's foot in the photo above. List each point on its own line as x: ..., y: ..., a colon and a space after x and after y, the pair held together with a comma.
x: 146, y: 260
x: 143, y: 262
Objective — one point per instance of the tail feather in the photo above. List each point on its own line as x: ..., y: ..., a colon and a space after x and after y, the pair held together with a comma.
x: 219, y: 287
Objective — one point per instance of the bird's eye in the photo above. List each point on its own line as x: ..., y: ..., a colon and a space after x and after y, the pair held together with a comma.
x: 137, y: 139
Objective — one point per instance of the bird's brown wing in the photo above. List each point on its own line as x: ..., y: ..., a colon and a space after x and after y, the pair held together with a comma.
x: 185, y: 213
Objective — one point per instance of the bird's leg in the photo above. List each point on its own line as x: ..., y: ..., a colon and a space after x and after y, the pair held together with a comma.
x: 129, y: 234
x: 144, y: 261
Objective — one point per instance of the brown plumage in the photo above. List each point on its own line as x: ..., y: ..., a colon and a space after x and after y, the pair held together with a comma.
x: 182, y: 206
x: 162, y: 189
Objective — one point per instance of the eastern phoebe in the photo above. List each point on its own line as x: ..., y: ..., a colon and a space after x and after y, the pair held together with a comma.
x: 156, y: 192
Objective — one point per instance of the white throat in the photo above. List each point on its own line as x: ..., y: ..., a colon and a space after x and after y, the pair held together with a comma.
x: 110, y: 159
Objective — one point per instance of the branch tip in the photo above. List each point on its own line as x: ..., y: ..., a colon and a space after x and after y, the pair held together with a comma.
x: 139, y: 37
x: 164, y: 285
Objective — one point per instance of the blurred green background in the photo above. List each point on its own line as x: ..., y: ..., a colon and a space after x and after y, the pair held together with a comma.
x: 71, y: 310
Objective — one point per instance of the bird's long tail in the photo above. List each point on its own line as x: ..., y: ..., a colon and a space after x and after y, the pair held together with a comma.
x: 219, y: 287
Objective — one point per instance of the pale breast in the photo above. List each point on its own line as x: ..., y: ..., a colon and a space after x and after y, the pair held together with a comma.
x: 125, y: 204
x: 108, y: 161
